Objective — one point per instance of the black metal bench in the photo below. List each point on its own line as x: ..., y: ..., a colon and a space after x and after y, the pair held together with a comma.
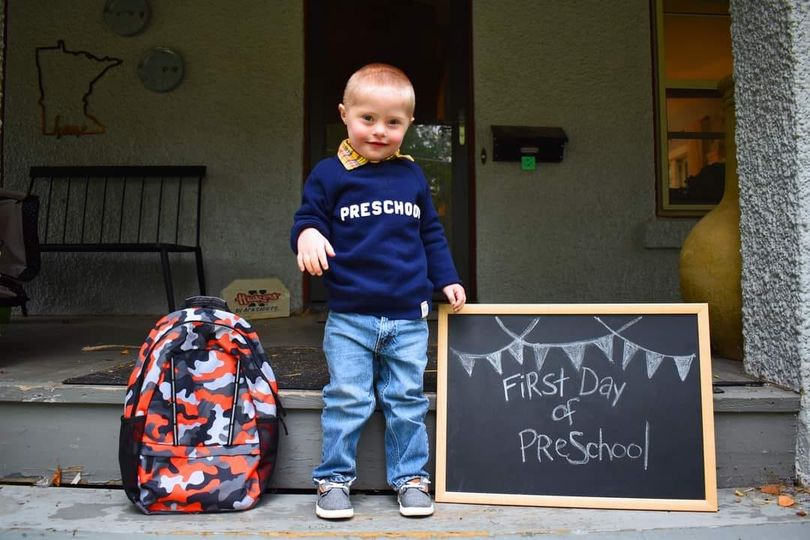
x: 154, y: 209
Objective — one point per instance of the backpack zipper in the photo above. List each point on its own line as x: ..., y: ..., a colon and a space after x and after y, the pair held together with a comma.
x: 235, y: 399
x: 174, y: 403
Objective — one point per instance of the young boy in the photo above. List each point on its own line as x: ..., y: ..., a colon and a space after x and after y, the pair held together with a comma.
x: 368, y: 225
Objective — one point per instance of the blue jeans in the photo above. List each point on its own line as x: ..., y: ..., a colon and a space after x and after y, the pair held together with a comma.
x: 365, y: 353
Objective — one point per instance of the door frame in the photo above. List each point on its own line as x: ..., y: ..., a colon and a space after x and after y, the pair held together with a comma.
x: 460, y: 89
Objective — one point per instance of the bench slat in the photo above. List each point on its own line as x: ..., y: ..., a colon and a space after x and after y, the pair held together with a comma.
x: 118, y: 248
x: 119, y: 170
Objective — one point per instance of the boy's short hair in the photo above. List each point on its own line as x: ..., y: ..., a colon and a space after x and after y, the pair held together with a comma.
x: 380, y: 75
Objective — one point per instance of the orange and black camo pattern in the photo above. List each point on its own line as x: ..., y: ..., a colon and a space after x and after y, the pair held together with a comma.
x: 200, y: 426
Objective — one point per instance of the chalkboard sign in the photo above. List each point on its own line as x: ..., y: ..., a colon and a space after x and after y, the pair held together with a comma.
x: 595, y: 406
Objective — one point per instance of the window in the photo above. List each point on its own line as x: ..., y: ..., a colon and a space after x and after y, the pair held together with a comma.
x: 693, y: 54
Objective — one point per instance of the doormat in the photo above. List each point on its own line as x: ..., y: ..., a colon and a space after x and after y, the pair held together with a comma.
x: 296, y: 368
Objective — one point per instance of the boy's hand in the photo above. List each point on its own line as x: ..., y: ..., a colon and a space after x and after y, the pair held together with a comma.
x: 313, y: 248
x: 455, y: 295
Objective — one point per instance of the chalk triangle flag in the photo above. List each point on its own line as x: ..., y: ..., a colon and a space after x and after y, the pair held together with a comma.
x: 576, y: 353
x: 605, y: 344
x: 495, y: 360
x: 683, y: 363
x: 540, y: 352
x: 467, y: 362
x: 516, y: 349
x: 628, y: 353
x: 654, y: 360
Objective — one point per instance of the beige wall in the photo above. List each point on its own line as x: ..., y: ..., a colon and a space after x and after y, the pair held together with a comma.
x: 580, y: 230
x: 239, y: 111
x: 577, y: 231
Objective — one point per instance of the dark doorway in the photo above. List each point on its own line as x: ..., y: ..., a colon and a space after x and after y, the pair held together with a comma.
x: 430, y: 41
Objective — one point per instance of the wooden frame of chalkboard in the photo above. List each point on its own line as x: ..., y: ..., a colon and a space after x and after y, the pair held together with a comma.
x: 576, y: 405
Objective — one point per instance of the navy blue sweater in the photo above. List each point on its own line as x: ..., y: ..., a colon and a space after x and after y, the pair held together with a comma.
x: 390, y: 248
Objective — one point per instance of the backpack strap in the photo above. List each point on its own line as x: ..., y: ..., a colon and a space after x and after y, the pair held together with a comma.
x: 144, y: 361
x: 257, y: 361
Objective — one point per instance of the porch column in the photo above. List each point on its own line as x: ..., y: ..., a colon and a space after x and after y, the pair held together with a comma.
x: 771, y: 42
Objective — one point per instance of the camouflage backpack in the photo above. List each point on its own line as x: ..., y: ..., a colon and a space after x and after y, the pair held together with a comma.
x: 200, y: 426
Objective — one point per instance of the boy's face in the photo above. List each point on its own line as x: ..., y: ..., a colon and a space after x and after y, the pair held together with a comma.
x: 376, y: 121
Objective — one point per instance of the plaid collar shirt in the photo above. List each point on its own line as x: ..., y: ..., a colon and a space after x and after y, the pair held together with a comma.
x: 350, y: 159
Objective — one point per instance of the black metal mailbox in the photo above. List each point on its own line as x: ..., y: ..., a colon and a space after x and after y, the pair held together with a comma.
x: 511, y: 143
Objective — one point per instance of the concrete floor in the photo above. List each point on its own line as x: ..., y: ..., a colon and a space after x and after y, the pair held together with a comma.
x: 32, y: 512
x: 48, y: 349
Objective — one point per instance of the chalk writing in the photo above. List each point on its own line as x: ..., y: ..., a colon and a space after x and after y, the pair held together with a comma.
x: 530, y: 385
x: 527, y: 383
x: 605, y: 386
x: 577, y: 449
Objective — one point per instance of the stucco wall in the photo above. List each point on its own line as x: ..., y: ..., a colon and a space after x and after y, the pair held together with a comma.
x: 577, y: 231
x: 239, y: 111
x: 772, y: 79
x: 571, y: 231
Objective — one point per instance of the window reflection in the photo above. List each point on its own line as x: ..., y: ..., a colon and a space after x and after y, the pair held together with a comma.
x: 695, y: 147
x: 694, y: 52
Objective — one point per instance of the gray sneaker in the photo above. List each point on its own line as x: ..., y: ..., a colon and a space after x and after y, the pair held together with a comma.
x: 333, y: 501
x: 414, y: 499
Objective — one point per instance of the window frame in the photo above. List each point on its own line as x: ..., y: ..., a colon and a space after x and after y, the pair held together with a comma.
x: 662, y: 85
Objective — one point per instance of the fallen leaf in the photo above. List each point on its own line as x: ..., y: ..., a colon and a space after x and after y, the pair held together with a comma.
x: 771, y: 489
x: 739, y: 493
x: 56, y: 479
x: 785, y: 500
x: 124, y: 352
x: 801, y: 513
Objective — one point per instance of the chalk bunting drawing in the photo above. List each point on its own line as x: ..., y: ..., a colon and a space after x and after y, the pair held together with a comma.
x: 574, y: 351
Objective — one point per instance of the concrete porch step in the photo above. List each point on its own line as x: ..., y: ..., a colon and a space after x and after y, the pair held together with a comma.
x: 48, y: 426
x: 101, y: 514
x: 74, y: 428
